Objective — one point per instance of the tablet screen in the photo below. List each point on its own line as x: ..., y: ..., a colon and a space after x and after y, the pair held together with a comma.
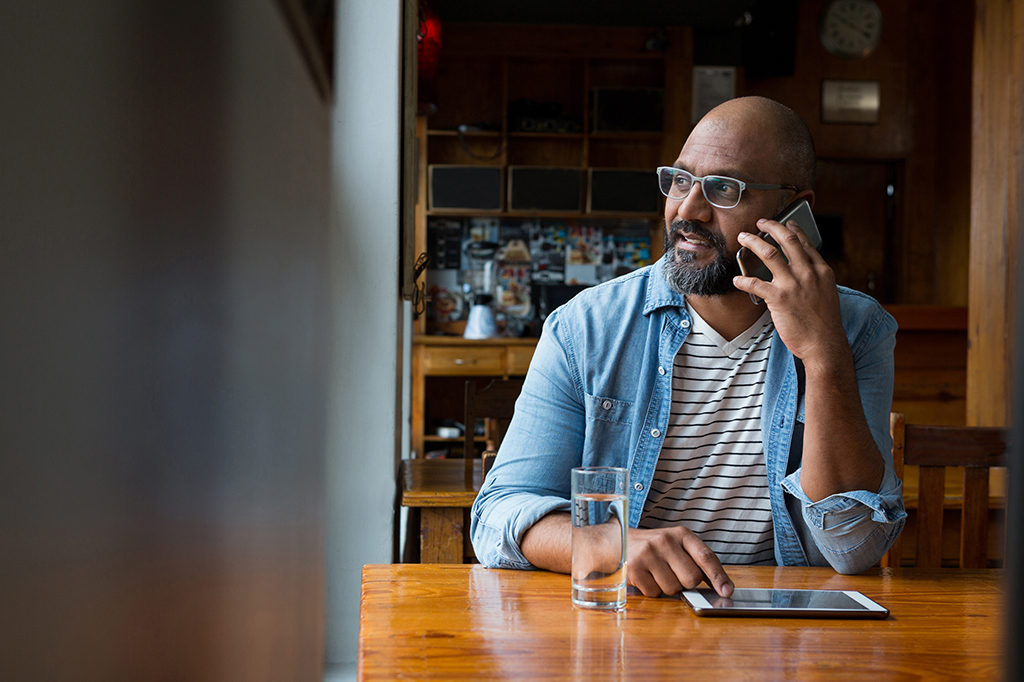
x: 784, y: 599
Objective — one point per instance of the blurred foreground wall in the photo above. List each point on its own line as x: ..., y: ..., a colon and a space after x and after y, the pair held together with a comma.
x: 164, y: 343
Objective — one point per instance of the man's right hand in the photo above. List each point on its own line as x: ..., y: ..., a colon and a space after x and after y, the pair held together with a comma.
x: 667, y: 560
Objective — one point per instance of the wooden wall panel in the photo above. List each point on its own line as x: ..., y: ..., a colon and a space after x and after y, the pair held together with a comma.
x: 888, y: 64
x: 997, y: 208
x: 856, y: 191
x: 923, y: 68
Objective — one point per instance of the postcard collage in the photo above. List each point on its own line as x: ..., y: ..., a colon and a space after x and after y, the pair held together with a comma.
x: 515, y: 259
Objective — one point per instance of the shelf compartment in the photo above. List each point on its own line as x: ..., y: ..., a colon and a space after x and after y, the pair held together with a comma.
x: 627, y: 73
x: 626, y: 152
x: 481, y: 105
x: 559, y: 151
x: 545, y: 94
x: 471, y: 150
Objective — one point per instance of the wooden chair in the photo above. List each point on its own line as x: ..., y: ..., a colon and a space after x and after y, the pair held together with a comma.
x: 495, y: 402
x: 932, y: 449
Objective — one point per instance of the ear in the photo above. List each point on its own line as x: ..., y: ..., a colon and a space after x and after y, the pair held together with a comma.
x: 806, y: 194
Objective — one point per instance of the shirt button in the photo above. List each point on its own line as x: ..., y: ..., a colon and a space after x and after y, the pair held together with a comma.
x: 685, y: 324
x: 638, y: 487
x: 655, y: 432
x: 607, y: 404
x: 661, y: 371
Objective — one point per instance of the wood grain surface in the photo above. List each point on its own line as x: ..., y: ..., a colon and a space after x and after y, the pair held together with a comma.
x: 471, y: 623
x: 440, y: 482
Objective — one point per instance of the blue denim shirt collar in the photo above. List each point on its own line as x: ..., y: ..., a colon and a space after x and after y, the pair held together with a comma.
x: 659, y: 293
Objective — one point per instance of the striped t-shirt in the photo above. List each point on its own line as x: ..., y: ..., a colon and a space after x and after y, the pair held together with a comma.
x: 711, y: 474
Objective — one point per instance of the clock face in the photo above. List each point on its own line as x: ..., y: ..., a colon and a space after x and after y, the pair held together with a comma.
x: 851, y: 28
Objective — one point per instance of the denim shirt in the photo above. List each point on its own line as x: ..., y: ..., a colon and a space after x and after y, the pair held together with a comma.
x: 599, y: 391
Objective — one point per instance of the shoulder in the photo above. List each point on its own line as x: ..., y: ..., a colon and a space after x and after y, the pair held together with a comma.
x: 864, y: 318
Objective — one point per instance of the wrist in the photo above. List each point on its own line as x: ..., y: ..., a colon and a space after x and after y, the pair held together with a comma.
x: 832, y: 367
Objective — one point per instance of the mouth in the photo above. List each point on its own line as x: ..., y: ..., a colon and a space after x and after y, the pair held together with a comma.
x: 695, y: 241
x: 691, y: 240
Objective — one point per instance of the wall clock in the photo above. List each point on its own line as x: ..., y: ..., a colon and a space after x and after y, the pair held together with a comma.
x: 851, y: 29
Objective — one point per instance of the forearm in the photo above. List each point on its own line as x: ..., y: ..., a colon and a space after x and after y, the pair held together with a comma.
x: 839, y: 452
x: 548, y: 543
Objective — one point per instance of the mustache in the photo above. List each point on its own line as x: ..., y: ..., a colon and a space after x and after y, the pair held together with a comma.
x: 678, y: 228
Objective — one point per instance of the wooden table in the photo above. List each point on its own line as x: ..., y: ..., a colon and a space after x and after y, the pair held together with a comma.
x: 472, y: 623
x: 442, y: 490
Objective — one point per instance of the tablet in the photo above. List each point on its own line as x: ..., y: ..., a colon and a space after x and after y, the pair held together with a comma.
x: 784, y: 604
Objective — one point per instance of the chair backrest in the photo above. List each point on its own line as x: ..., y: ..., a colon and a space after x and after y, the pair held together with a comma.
x: 932, y: 449
x: 495, y: 402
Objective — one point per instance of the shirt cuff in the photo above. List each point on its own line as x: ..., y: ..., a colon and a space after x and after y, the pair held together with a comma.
x: 886, y: 506
x: 507, y: 552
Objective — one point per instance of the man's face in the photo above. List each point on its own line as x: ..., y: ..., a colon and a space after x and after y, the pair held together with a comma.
x: 701, y: 240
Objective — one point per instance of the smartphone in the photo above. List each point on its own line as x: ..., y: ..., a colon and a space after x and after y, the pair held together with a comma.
x: 784, y: 604
x: 749, y: 262
x: 800, y: 212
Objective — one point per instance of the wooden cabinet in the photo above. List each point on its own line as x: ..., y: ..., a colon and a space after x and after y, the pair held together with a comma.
x: 463, y: 360
x: 440, y: 367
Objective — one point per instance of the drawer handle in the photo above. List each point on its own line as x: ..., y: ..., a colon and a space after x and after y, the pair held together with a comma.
x: 460, y: 361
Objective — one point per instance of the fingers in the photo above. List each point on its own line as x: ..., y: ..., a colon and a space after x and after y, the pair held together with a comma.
x: 804, y: 267
x: 793, y: 246
x: 667, y: 560
x: 752, y: 285
x: 790, y: 237
x: 709, y: 564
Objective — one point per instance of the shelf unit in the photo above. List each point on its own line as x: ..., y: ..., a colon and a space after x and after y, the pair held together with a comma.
x: 487, y: 71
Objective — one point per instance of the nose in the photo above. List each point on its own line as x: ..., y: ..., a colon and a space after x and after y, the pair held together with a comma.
x: 694, y: 206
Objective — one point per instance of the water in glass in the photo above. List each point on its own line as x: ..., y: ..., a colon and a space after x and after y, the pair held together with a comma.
x: 598, y: 550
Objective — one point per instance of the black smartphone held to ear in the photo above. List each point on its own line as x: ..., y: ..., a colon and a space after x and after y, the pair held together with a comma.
x: 749, y: 262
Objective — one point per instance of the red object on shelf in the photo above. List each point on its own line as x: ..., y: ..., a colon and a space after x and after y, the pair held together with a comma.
x: 428, y: 43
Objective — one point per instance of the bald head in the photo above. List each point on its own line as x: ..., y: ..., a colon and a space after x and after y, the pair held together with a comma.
x: 769, y: 121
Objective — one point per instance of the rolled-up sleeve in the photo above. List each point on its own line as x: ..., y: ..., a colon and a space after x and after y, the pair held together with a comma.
x: 851, y: 530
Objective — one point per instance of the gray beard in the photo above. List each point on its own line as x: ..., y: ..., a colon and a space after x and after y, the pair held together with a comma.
x: 685, y: 278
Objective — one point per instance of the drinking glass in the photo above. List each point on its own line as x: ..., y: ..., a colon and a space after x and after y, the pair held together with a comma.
x: 599, y: 525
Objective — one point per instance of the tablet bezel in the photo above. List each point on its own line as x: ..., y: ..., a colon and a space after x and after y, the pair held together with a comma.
x: 700, y: 605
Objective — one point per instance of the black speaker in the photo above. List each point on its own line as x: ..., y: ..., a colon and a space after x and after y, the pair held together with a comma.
x: 475, y: 188
x: 539, y: 188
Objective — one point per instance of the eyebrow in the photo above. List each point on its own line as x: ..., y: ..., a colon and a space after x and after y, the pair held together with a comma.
x: 733, y: 173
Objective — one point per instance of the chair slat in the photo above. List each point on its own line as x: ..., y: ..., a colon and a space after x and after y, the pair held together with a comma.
x: 974, y: 519
x: 932, y: 488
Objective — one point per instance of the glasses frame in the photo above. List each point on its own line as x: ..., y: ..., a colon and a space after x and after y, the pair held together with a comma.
x: 696, y: 179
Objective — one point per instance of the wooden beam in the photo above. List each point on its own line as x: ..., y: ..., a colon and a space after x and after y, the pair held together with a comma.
x: 997, y: 207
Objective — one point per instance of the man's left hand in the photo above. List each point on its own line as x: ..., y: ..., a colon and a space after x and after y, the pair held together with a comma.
x: 802, y: 295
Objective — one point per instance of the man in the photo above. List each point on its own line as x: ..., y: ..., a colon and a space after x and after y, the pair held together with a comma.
x: 753, y: 432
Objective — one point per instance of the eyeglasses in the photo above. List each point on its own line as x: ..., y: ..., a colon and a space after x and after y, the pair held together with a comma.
x: 675, y: 183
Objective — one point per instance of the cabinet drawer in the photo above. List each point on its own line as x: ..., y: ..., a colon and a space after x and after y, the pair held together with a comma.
x: 456, y: 360
x: 519, y: 360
